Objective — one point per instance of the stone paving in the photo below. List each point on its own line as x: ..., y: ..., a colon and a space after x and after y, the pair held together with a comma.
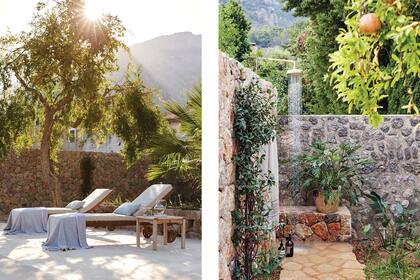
x: 322, y: 261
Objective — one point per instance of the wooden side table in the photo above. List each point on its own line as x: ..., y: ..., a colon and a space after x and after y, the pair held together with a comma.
x: 160, y: 220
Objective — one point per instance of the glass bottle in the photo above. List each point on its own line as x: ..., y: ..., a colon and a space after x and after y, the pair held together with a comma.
x: 282, y: 249
x: 289, y: 246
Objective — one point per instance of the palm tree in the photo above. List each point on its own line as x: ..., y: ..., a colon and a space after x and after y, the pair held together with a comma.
x: 179, y: 152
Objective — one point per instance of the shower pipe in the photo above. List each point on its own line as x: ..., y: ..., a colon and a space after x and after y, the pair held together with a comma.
x: 273, y: 59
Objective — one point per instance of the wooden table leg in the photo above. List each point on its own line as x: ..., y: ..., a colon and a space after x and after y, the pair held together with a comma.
x: 165, y: 234
x: 154, y: 235
x: 138, y: 233
x: 183, y: 234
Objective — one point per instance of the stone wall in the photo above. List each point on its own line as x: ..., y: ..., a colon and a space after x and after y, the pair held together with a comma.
x: 306, y: 223
x: 230, y: 72
x: 394, y: 148
x: 20, y: 179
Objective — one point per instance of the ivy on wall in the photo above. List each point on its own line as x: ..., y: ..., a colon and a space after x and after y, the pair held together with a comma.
x: 254, y: 126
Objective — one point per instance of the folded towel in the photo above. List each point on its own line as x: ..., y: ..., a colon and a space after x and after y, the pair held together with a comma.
x: 27, y: 220
x: 66, y: 232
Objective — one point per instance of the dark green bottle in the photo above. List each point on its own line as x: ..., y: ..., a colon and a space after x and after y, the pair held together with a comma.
x: 289, y: 246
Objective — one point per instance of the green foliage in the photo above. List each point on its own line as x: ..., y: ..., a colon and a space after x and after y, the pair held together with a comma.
x: 274, y: 72
x: 180, y: 155
x: 135, y: 119
x: 269, y: 36
x: 86, y: 171
x: 15, y: 119
x: 59, y: 67
x: 332, y: 171
x: 397, y: 226
x: 233, y: 30
x: 366, y: 68
x: 269, y: 262
x: 254, y: 126
x: 194, y: 204
x: 396, y: 266
x: 312, y: 42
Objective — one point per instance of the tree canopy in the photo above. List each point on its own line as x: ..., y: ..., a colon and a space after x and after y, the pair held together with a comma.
x: 317, y: 41
x: 60, y: 67
x: 233, y: 30
x: 370, y: 68
x: 312, y: 45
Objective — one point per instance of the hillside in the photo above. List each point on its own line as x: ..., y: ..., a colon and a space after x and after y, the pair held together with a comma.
x: 170, y: 63
x: 266, y: 12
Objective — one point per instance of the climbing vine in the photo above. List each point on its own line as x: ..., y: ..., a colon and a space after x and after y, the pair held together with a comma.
x: 254, y: 126
x: 378, y: 57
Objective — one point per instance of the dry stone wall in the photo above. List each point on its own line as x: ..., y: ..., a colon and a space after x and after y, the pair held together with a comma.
x: 228, y: 74
x: 21, y: 185
x: 394, y: 148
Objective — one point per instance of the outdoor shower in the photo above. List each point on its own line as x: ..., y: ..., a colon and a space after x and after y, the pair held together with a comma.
x: 294, y: 90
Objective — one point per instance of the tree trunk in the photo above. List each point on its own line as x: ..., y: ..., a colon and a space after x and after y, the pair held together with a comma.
x: 49, y: 178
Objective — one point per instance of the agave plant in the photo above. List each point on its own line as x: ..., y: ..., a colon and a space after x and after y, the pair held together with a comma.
x: 179, y: 152
x: 334, y: 171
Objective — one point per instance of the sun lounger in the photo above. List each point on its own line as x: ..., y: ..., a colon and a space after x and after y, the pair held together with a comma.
x: 91, y: 202
x: 34, y: 220
x: 146, y: 199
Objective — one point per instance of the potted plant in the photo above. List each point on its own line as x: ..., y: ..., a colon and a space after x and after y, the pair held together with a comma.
x: 329, y: 174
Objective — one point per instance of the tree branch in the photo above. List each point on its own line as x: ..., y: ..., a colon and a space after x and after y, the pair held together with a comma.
x: 28, y: 88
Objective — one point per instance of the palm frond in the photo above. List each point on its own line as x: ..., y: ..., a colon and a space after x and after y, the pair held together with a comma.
x: 180, y: 156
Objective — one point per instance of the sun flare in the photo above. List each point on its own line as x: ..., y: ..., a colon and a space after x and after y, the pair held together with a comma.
x: 93, y: 10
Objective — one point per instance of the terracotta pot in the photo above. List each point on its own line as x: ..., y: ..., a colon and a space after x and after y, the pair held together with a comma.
x: 330, y: 207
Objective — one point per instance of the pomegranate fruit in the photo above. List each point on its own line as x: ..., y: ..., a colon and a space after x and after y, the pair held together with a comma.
x: 369, y: 24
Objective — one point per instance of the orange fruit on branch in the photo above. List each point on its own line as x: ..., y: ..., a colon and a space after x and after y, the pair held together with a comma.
x: 369, y: 24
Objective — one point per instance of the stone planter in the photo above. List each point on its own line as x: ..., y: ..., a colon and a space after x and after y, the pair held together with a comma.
x: 306, y: 223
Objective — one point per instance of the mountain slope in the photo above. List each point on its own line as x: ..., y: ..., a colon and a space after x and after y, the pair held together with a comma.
x: 266, y: 12
x: 170, y: 63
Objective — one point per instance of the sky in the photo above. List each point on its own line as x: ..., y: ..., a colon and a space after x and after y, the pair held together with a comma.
x: 144, y: 19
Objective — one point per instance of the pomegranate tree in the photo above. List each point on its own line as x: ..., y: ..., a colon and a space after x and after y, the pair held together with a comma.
x: 377, y: 57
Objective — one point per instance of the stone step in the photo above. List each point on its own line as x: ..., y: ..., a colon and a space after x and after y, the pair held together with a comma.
x: 305, y: 223
x: 322, y: 261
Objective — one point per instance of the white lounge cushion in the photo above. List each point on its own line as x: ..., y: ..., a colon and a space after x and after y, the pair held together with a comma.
x: 127, y: 208
x: 75, y: 204
x: 60, y: 210
x: 149, y: 198
x: 94, y: 199
x: 108, y: 217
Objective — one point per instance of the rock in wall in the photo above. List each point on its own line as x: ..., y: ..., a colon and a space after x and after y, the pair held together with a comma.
x: 394, y: 148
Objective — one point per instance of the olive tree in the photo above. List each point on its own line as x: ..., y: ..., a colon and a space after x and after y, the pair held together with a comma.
x: 60, y: 67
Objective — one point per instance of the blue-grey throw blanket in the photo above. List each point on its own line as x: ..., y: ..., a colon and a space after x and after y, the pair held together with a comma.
x: 66, y: 232
x: 27, y: 220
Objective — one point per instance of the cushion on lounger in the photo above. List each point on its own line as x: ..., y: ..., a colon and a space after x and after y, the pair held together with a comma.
x: 93, y: 200
x: 127, y: 209
x: 75, y: 204
x: 148, y: 199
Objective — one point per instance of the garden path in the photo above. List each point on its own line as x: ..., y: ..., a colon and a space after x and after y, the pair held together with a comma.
x: 323, y: 261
